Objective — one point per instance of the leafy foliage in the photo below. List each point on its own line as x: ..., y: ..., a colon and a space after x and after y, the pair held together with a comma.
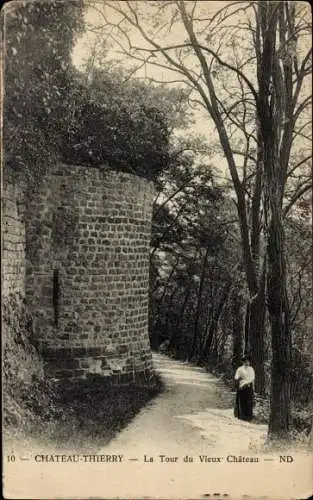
x: 192, y: 263
x: 38, y: 44
x: 108, y: 126
x: 52, y: 113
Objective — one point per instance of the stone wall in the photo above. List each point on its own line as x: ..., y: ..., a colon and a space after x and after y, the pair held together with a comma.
x: 21, y: 362
x: 88, y: 236
x: 13, y: 240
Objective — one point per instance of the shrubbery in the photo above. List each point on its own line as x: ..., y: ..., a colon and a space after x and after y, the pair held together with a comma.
x: 22, y: 365
x: 128, y: 136
x: 53, y: 114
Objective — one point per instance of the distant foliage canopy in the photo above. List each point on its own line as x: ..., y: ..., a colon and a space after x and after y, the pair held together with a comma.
x: 51, y: 114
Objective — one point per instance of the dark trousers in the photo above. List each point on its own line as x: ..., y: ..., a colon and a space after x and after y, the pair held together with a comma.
x: 244, y: 403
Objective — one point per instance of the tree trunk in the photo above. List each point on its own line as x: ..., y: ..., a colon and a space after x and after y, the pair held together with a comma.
x: 257, y: 315
x: 169, y: 313
x: 271, y: 112
x: 256, y: 333
x: 176, y: 331
x: 237, y: 327
x: 198, y: 310
x: 214, y: 324
x: 255, y: 330
x: 281, y: 334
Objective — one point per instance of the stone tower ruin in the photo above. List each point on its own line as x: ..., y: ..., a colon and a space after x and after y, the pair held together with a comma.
x: 87, y: 272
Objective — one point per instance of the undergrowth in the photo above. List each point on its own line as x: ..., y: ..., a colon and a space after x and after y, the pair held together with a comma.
x: 65, y: 415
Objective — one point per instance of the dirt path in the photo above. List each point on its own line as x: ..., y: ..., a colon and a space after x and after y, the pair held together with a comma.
x: 193, y: 415
x: 194, y: 418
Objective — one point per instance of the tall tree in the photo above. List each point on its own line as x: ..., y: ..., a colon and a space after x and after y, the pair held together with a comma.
x: 278, y: 110
x: 230, y: 43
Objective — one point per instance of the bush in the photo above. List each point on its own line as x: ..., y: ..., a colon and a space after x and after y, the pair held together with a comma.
x: 130, y: 137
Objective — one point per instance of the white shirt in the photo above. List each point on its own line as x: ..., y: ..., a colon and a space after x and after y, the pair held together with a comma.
x: 245, y: 375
